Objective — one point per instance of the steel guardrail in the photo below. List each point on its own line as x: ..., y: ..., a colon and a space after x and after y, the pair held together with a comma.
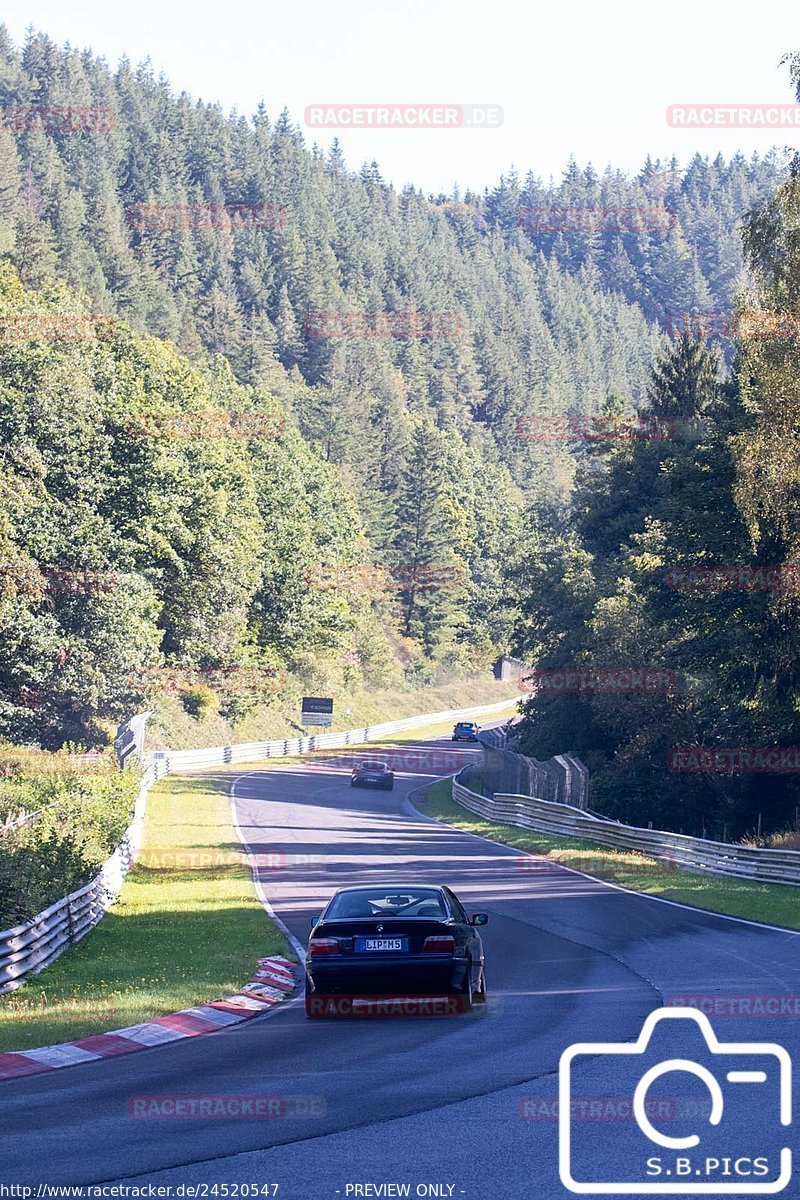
x: 760, y: 863
x: 166, y: 762
x: 33, y: 944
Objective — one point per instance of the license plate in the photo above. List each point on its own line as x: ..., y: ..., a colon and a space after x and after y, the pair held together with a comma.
x: 368, y: 945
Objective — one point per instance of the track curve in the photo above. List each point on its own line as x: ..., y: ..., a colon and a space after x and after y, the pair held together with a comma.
x: 428, y: 1100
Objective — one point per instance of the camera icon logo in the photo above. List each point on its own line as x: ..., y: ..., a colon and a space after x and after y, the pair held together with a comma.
x: 750, y: 1085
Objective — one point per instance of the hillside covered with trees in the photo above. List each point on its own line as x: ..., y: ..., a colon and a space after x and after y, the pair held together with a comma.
x: 238, y: 376
x: 132, y: 211
x: 683, y: 559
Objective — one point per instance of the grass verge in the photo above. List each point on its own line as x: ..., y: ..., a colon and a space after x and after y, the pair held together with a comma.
x: 172, y: 726
x: 772, y: 903
x: 187, y: 928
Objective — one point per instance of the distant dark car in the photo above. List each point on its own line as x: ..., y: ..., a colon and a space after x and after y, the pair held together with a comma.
x: 395, y: 940
x: 372, y: 774
x: 465, y: 731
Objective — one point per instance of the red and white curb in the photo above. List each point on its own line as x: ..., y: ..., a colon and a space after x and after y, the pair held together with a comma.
x: 273, y: 982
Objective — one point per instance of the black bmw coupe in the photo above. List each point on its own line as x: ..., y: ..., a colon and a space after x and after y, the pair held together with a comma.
x: 393, y: 940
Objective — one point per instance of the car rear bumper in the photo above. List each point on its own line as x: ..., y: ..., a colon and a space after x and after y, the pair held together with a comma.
x: 443, y: 1005
x: 388, y: 975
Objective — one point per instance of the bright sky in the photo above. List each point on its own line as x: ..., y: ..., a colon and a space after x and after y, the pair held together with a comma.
x: 591, y: 78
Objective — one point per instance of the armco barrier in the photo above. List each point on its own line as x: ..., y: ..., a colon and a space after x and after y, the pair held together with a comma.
x: 166, y: 762
x: 29, y: 947
x: 698, y: 854
x: 32, y: 945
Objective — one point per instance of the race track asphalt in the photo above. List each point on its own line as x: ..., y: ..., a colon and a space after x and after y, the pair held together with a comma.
x: 464, y: 1103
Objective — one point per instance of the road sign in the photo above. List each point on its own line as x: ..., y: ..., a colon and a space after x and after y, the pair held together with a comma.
x: 317, y: 710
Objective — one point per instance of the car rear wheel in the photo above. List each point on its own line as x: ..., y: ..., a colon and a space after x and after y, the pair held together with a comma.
x: 479, y: 997
x: 466, y: 990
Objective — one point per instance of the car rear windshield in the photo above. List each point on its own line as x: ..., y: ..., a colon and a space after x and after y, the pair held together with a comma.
x: 373, y: 766
x: 387, y: 902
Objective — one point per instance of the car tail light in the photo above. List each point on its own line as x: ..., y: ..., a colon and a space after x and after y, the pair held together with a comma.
x: 324, y: 946
x: 439, y: 945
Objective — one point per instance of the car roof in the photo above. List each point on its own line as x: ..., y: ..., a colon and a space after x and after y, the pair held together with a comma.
x: 368, y: 887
